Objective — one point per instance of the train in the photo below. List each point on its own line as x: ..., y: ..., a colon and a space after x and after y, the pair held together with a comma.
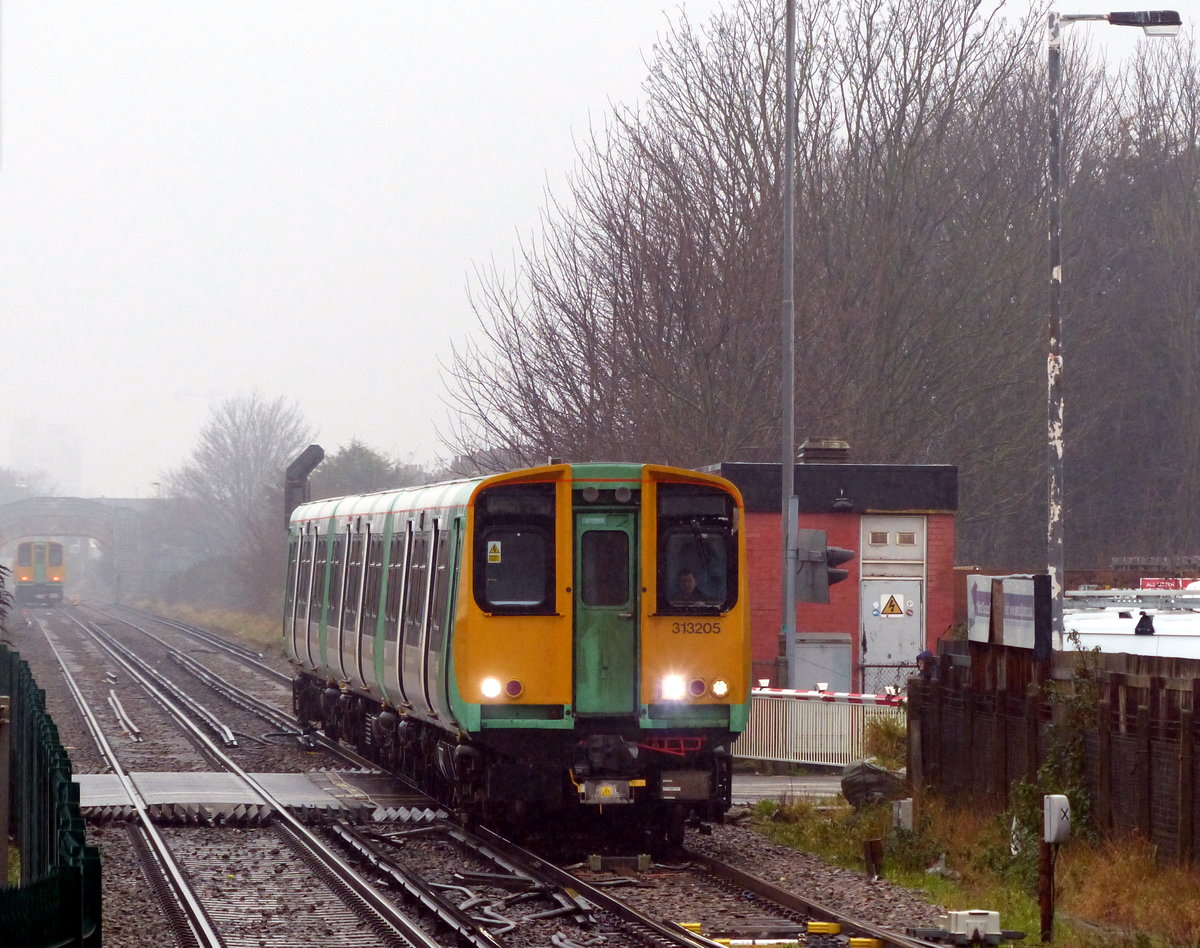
x: 566, y: 639
x: 39, y: 573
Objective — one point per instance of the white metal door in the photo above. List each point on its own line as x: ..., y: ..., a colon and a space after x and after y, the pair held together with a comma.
x: 893, y: 630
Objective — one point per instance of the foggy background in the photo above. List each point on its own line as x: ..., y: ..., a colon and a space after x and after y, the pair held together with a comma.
x: 203, y: 201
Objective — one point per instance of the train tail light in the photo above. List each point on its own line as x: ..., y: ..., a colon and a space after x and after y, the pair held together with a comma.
x: 697, y: 687
x: 514, y: 688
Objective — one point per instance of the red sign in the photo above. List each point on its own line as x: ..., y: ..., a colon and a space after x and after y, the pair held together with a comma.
x: 1165, y: 583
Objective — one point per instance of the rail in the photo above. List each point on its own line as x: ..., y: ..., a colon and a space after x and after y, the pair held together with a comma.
x: 820, y: 728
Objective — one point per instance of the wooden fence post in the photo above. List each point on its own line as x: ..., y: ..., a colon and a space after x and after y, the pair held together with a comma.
x: 1102, y: 810
x: 1000, y: 749
x: 1032, y: 751
x: 1145, y: 785
x: 1186, y: 801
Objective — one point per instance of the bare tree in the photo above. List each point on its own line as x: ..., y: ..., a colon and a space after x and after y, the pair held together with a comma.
x: 230, y: 492
x: 1133, y: 311
x: 643, y: 322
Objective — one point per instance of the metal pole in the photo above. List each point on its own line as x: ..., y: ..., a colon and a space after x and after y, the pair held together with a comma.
x: 1055, y: 559
x: 789, y: 504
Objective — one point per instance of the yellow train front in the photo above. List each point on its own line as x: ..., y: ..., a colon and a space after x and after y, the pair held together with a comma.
x: 570, y: 636
x: 39, y: 573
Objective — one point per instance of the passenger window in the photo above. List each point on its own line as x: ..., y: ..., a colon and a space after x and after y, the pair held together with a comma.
x: 397, y: 561
x: 418, y: 576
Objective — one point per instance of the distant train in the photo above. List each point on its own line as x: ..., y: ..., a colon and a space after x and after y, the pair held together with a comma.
x: 568, y: 637
x: 39, y: 572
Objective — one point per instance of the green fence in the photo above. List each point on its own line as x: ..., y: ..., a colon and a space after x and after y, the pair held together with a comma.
x: 57, y: 901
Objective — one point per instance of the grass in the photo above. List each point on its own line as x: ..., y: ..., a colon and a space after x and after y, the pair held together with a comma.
x: 1109, y: 893
x: 261, y: 633
x: 1112, y: 894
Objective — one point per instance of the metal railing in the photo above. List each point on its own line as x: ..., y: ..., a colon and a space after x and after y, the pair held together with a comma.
x: 56, y: 901
x: 811, y: 727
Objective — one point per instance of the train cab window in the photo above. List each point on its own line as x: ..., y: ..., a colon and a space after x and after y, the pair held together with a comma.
x: 513, y: 549
x: 514, y: 569
x: 697, y: 550
x: 25, y: 554
x: 55, y: 555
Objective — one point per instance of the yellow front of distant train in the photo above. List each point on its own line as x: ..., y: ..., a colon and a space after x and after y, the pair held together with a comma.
x: 39, y: 573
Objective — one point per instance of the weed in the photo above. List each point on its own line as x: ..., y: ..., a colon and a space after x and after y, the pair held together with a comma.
x: 885, y: 740
x: 1108, y: 895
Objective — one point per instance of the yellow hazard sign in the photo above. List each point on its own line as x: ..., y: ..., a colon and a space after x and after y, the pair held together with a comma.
x: 892, y: 607
x: 493, y: 551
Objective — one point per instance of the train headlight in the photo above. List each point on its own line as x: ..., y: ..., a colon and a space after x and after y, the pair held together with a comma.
x: 720, y: 687
x: 673, y: 688
x: 490, y: 687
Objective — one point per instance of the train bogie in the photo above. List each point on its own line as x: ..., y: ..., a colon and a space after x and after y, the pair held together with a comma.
x: 571, y: 635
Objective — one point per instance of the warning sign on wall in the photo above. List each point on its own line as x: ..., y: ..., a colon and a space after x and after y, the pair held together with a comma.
x: 892, y: 607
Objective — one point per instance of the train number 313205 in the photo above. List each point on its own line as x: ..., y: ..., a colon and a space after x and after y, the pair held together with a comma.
x: 696, y: 628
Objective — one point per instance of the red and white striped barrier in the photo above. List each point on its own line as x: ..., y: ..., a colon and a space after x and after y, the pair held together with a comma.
x: 839, y: 697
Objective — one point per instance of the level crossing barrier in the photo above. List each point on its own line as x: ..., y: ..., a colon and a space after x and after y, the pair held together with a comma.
x: 55, y: 898
x: 822, y: 728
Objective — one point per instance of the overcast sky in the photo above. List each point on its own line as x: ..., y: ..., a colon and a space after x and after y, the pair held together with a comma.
x: 203, y: 200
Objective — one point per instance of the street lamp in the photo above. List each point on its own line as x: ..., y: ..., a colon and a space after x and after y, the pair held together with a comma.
x: 1154, y: 23
x: 789, y: 503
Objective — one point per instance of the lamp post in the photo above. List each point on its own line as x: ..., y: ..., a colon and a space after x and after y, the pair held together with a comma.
x: 789, y: 504
x: 1154, y: 23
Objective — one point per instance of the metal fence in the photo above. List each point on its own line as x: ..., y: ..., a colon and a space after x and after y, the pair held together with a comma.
x: 57, y: 899
x: 811, y: 727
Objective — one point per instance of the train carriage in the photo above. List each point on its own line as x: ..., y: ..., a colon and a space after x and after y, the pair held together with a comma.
x: 569, y: 636
x: 39, y: 572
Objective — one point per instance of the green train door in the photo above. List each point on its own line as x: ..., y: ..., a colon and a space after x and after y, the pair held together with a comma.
x: 606, y: 624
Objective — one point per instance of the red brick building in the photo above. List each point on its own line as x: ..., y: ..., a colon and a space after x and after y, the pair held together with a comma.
x: 899, y: 596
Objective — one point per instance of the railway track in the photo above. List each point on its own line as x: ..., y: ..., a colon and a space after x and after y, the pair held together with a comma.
x: 251, y: 880
x: 227, y: 906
